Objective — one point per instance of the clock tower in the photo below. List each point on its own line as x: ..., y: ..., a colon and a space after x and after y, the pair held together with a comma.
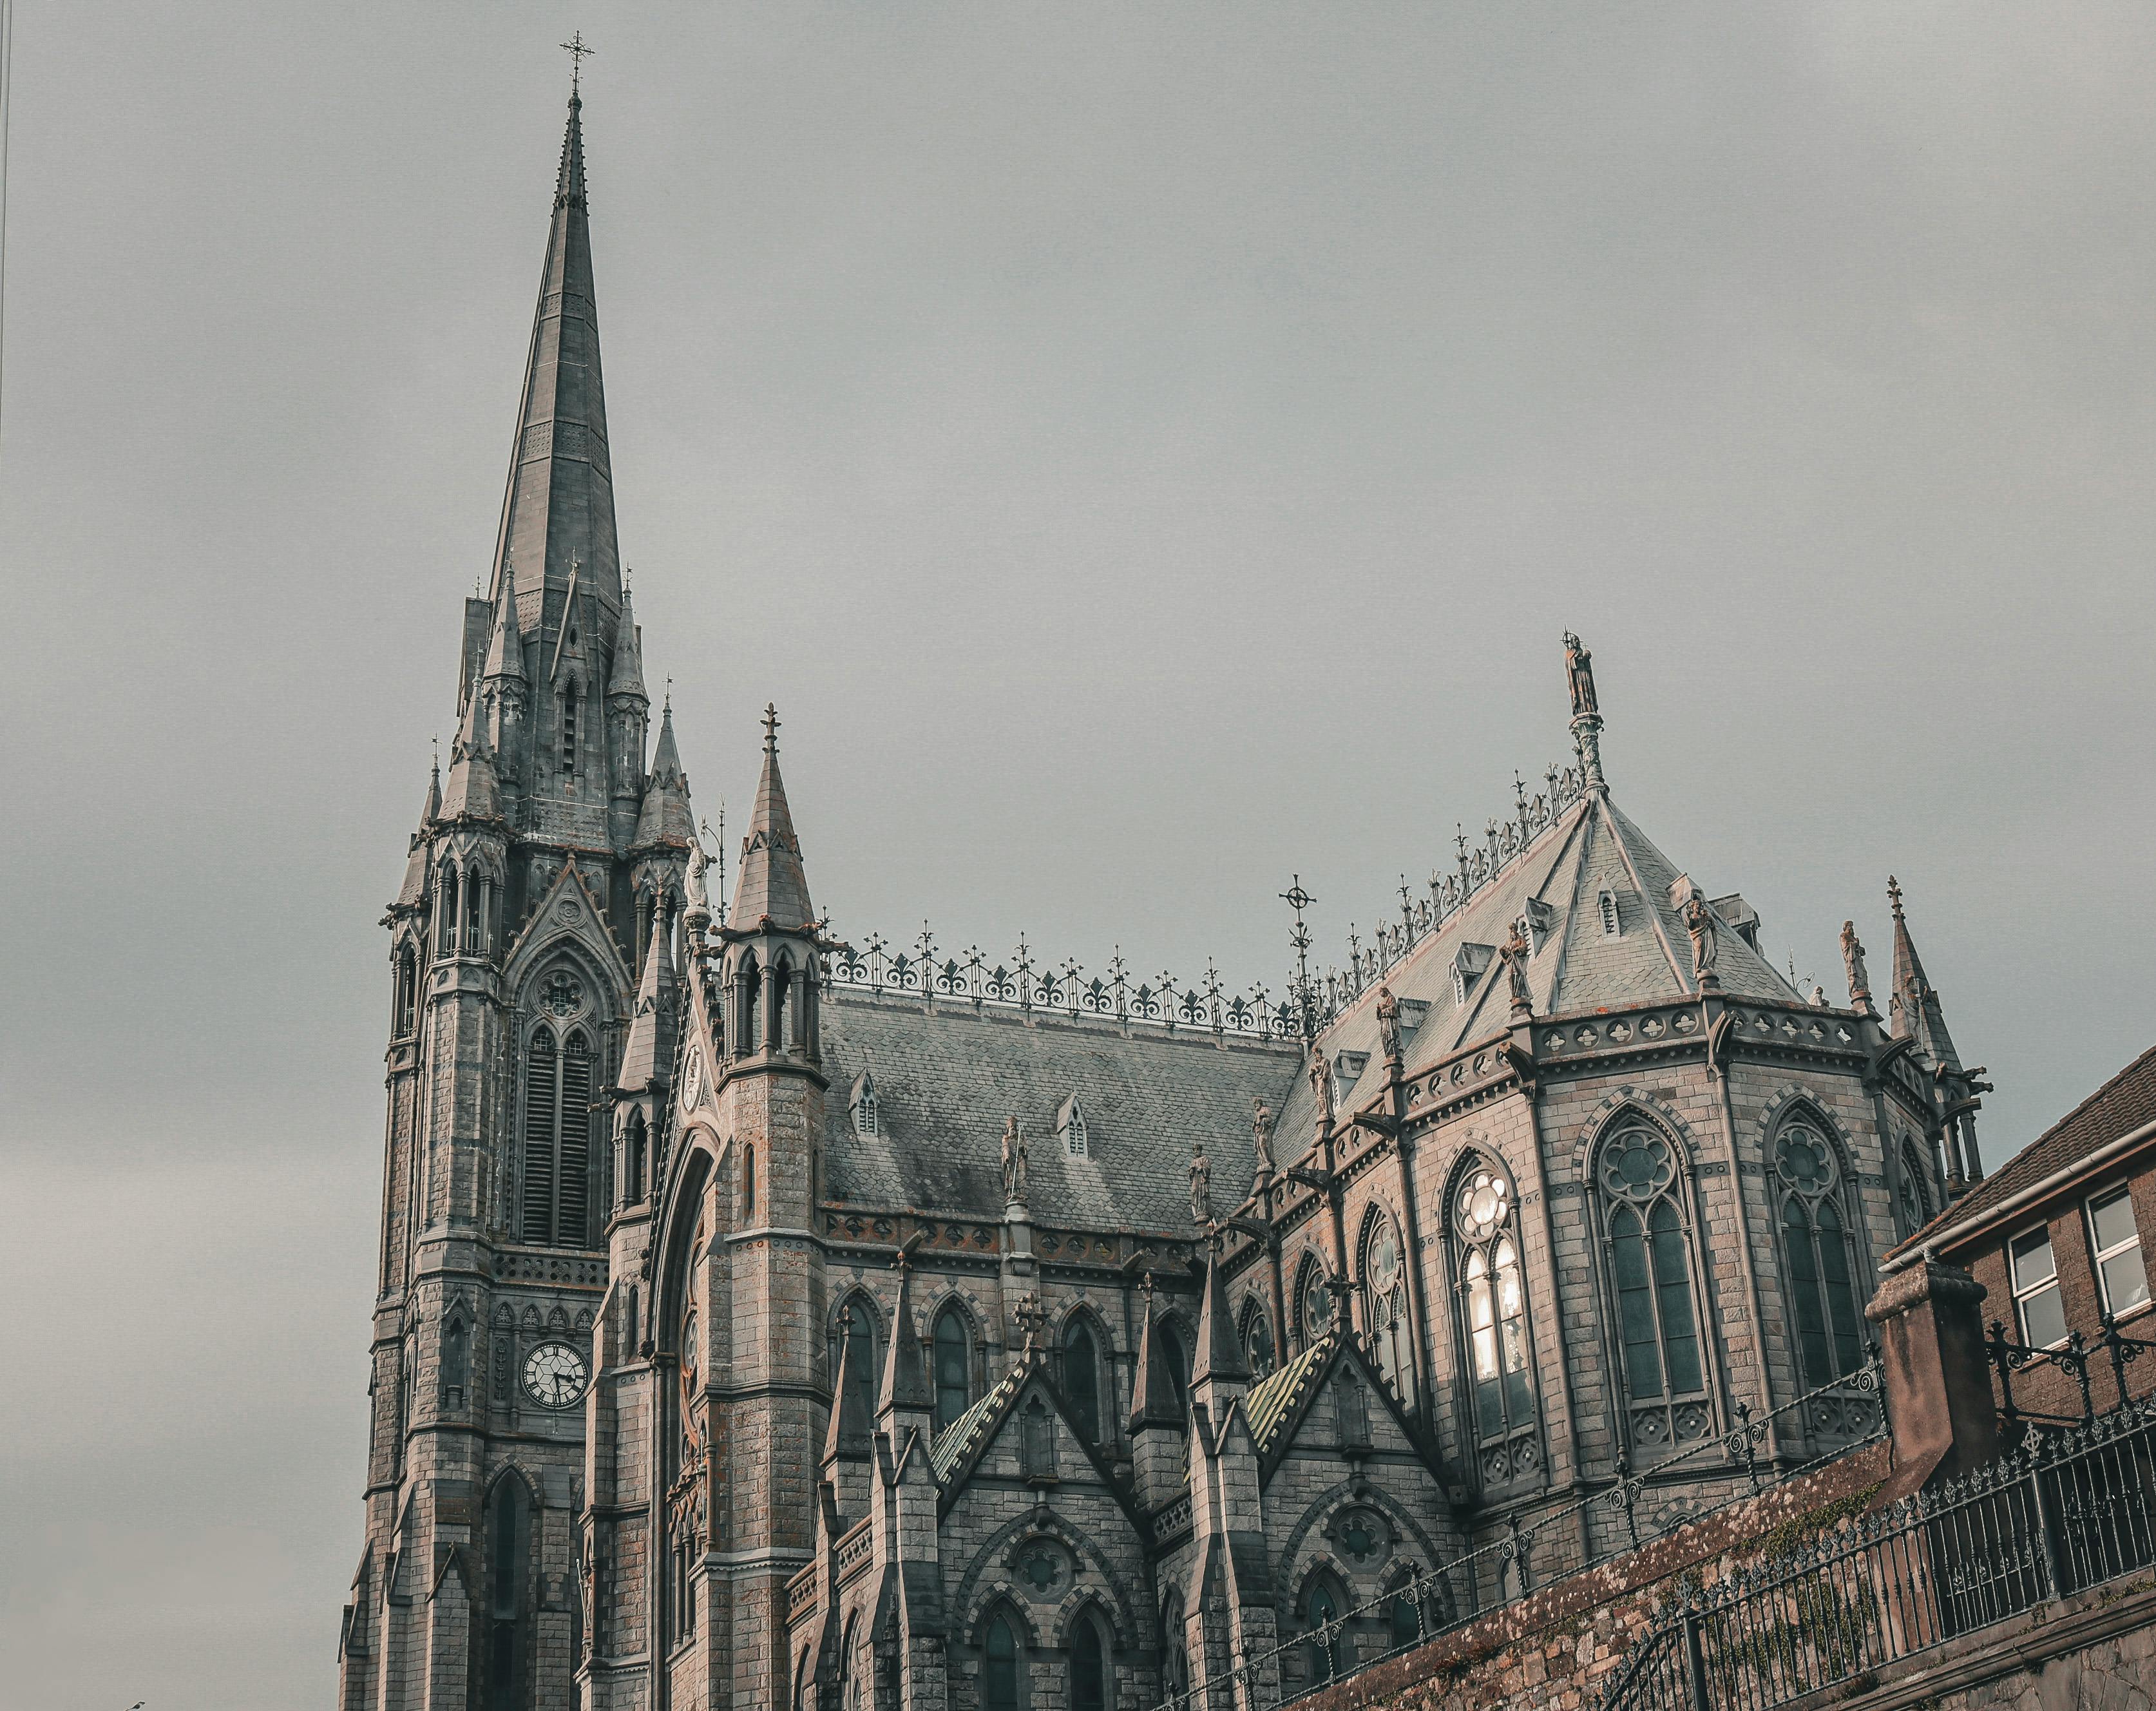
x: 533, y: 976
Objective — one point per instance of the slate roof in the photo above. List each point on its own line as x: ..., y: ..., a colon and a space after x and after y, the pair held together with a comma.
x: 946, y: 1080
x: 1590, y: 847
x: 2124, y: 1103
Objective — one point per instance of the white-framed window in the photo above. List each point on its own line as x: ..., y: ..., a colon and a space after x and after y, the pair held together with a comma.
x: 2037, y: 1303
x: 2115, y: 1245
x: 1612, y: 926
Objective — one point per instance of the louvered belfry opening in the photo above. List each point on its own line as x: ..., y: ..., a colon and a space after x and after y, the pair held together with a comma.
x: 557, y: 1141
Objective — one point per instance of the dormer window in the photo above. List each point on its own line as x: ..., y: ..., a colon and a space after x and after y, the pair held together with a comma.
x: 864, y: 1106
x: 1071, y: 1124
x: 1613, y: 926
x: 1469, y: 963
x: 1537, y: 926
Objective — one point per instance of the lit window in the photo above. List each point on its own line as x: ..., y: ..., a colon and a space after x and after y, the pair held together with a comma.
x: 1612, y: 926
x: 2115, y: 1240
x: 2036, y: 1300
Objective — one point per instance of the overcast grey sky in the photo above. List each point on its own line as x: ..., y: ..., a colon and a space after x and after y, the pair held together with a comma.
x: 1145, y: 451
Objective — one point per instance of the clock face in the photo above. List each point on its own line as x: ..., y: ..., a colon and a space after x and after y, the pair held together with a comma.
x: 555, y: 1374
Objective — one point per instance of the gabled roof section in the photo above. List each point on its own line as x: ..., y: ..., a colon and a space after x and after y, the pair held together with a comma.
x: 2122, y: 1104
x: 947, y: 1077
x: 1589, y: 848
x: 1275, y: 1398
x: 972, y: 1430
x: 559, y: 505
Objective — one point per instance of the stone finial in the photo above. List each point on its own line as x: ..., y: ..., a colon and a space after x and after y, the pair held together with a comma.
x: 1852, y: 958
x: 1586, y: 711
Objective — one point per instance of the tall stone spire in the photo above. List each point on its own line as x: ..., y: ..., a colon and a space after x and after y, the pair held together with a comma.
x: 666, y: 818
x: 474, y: 791
x: 1914, y: 1009
x: 773, y: 882
x: 559, y: 504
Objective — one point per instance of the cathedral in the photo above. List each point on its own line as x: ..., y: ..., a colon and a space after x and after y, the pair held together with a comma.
x: 771, y: 1316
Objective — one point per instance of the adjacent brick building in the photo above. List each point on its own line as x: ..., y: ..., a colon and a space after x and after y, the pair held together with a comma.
x: 771, y: 1316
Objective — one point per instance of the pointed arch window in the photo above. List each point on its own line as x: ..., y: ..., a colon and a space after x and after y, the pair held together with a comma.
x: 569, y: 728
x: 1494, y: 1331
x: 447, y: 901
x: 1313, y: 1301
x: 557, y: 1139
x: 1000, y: 1670
x: 1258, y: 1340
x: 1817, y: 1247
x: 1391, y: 1326
x: 748, y: 980
x: 864, y: 1106
x: 1914, y: 1200
x: 782, y: 991
x: 408, y: 994
x: 1322, y: 1606
x: 1081, y: 1377
x: 634, y: 1164
x: 1647, y: 1238
x: 1089, y: 1666
x: 1175, y: 1649
x: 953, y: 1361
x: 1175, y: 1362
x: 749, y: 1182
x: 861, y: 1378
x: 509, y: 1546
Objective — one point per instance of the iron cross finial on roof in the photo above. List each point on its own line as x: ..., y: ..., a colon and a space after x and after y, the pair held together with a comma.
x: 576, y: 49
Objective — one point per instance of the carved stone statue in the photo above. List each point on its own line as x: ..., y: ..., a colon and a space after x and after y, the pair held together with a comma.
x: 1201, y: 1185
x: 1388, y: 1023
x: 700, y: 901
x: 1014, y: 1160
x: 1321, y: 1086
x: 1699, y: 922
x: 1514, y: 951
x: 1579, y: 673
x: 1261, y: 1136
x: 1852, y: 959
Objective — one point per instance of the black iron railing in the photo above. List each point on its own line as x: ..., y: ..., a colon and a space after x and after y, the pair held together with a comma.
x: 2076, y: 1357
x: 2070, y: 1509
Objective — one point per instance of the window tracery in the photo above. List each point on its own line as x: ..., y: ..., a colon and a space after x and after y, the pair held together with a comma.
x: 1647, y: 1240
x: 1492, y: 1315
x: 1817, y: 1246
x: 1391, y: 1326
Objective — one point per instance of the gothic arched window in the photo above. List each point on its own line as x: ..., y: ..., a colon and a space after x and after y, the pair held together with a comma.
x: 1648, y: 1240
x: 569, y: 728
x: 1257, y: 1340
x: 1392, y: 1327
x: 1000, y: 1673
x: 1817, y: 1247
x: 557, y: 1140
x: 408, y: 994
x: 1313, y: 1301
x: 782, y: 989
x: 1915, y: 1199
x: 1493, y: 1324
x: 748, y: 983
x: 862, y: 1378
x: 638, y: 1138
x: 1175, y: 1363
x: 1175, y: 1649
x: 1322, y: 1606
x: 1089, y: 1666
x: 447, y: 905
x: 509, y: 1546
x: 749, y: 1182
x: 1081, y: 1377
x: 954, y: 1389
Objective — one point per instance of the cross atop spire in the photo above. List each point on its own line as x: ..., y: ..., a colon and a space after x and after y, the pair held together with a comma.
x: 576, y: 49
x: 771, y: 727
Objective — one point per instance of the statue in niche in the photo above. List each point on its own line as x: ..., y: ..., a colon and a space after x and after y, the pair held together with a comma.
x: 1201, y: 1181
x: 1852, y: 959
x: 1388, y: 1024
x: 1262, y: 1137
x: 1699, y: 922
x: 1014, y: 1160
x: 1580, y: 673
x: 1321, y: 1086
